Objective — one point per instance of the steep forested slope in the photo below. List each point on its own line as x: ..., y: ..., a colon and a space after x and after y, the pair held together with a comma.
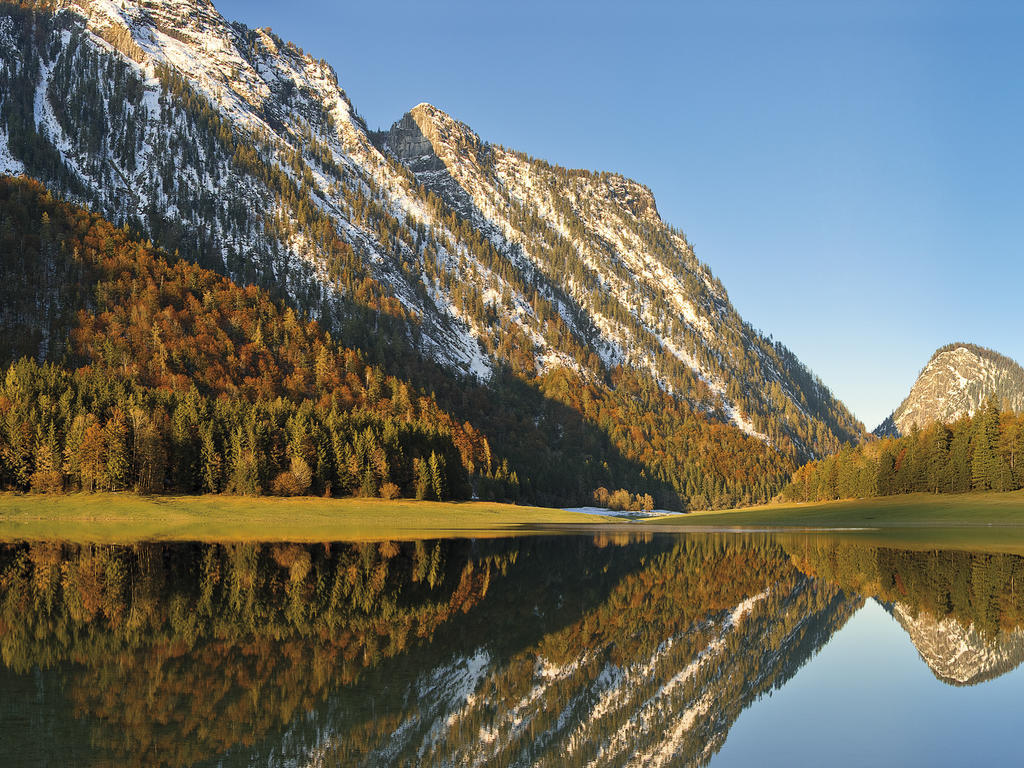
x: 551, y: 308
x: 196, y: 384
x: 173, y: 378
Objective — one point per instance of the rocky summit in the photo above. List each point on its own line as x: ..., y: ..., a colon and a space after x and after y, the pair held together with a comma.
x: 956, y: 382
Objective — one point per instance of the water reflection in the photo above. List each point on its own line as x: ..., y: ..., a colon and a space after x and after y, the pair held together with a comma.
x: 962, y: 610
x: 533, y: 651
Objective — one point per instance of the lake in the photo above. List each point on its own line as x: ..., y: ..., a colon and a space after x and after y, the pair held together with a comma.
x: 555, y: 650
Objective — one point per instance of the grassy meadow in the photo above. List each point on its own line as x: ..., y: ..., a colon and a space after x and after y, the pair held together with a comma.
x: 985, y: 520
x: 127, y: 517
x: 917, y: 509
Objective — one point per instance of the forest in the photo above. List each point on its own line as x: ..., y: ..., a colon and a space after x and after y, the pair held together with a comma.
x: 174, y: 379
x: 979, y: 453
x: 158, y: 375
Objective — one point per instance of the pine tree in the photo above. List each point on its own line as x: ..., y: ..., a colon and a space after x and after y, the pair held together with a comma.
x: 90, y: 455
x: 422, y: 478
x: 211, y: 462
x: 985, y: 463
x: 939, y: 471
x: 48, y: 477
x: 118, y: 461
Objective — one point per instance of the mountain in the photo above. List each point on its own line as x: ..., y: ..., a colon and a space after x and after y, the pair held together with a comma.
x: 629, y: 283
x: 956, y: 382
x: 536, y: 302
x: 958, y: 654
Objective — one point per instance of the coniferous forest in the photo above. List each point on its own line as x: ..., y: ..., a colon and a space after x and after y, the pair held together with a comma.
x: 979, y: 453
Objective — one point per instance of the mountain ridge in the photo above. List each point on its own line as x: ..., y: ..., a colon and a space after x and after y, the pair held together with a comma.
x: 244, y: 154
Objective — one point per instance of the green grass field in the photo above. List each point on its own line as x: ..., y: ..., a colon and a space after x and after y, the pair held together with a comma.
x: 919, y: 509
x: 126, y: 517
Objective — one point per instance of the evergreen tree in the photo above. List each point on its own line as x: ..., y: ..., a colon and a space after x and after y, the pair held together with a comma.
x: 985, y: 462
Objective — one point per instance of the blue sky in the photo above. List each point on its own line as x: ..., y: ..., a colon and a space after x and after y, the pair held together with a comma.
x: 853, y: 172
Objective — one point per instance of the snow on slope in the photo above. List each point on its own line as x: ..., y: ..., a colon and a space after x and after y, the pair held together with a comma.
x: 299, y: 122
x: 586, y: 248
x: 630, y: 280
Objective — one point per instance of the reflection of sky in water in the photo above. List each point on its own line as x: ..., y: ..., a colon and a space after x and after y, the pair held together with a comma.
x: 536, y: 651
x: 868, y: 699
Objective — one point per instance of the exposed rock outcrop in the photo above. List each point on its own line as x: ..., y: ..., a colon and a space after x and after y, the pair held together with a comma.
x: 956, y: 382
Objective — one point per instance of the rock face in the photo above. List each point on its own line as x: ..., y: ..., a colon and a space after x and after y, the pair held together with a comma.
x: 956, y: 382
x: 410, y: 146
x: 960, y: 655
x: 625, y: 280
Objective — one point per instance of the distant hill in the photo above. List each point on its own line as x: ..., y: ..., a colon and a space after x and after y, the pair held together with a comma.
x: 956, y: 382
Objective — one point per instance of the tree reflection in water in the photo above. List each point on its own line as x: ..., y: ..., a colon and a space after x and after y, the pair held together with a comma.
x: 521, y: 651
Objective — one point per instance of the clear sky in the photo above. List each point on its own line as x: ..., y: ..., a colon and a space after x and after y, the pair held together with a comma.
x: 852, y: 171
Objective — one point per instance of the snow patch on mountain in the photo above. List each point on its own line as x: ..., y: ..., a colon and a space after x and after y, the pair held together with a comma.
x: 8, y: 163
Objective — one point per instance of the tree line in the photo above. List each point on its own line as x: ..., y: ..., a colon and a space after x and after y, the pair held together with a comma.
x: 976, y: 453
x: 175, y: 379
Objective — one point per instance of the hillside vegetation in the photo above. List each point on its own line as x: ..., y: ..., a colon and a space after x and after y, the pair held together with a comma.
x: 169, y: 377
x: 982, y: 453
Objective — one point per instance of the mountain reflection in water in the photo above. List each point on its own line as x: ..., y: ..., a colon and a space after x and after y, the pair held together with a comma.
x: 557, y: 651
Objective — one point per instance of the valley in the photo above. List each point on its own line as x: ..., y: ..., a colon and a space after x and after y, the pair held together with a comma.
x: 395, y: 439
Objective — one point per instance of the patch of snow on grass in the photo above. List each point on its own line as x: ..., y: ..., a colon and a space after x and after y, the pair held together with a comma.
x: 623, y: 513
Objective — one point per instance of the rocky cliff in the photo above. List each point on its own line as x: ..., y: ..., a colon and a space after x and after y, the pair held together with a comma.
x: 956, y: 382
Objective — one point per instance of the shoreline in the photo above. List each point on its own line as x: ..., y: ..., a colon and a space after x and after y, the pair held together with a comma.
x: 968, y: 519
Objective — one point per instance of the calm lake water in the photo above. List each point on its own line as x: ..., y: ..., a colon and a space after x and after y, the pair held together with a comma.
x: 721, y: 650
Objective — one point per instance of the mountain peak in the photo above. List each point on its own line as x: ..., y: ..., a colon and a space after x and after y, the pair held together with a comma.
x: 956, y: 382
x: 427, y: 138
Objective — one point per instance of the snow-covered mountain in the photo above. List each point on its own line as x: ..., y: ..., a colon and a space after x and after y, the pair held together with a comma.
x: 243, y: 153
x: 622, y: 279
x: 958, y: 654
x: 956, y: 382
